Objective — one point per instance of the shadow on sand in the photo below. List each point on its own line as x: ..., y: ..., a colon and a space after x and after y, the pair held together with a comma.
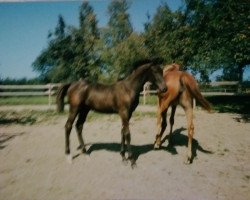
x: 179, y: 139
x: 4, y: 138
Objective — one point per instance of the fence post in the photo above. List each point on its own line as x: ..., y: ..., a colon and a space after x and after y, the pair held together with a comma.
x: 144, y: 95
x: 50, y: 89
x: 146, y: 89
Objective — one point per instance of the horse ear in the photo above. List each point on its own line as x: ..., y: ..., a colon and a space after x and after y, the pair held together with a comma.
x: 177, y: 66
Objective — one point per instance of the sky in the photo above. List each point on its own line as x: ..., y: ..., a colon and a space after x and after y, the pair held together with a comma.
x: 25, y: 26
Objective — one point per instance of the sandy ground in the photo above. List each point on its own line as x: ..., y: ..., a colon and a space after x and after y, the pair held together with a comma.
x: 33, y: 165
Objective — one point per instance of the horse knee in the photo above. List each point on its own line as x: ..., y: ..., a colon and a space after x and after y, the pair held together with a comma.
x: 68, y: 126
x: 79, y: 126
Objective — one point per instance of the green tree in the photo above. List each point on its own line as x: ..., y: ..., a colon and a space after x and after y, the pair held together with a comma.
x: 54, y: 61
x: 204, y: 36
x: 84, y: 40
x: 232, y: 22
x: 167, y: 35
x: 71, y: 53
x: 119, y: 24
x: 220, y: 30
x: 116, y: 41
x: 127, y: 52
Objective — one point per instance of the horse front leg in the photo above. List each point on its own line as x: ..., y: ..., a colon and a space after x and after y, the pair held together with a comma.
x: 126, y: 137
x: 123, y: 150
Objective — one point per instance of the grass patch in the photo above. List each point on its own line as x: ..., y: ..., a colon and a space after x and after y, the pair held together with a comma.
x: 44, y: 100
x: 137, y: 115
x: 150, y: 100
x: 29, y: 100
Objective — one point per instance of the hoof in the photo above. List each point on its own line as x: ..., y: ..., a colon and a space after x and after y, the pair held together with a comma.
x: 69, y: 158
x: 157, y: 146
x: 188, y: 161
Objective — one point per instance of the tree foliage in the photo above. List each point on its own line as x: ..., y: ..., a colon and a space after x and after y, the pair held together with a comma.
x: 119, y: 23
x: 120, y: 44
x: 168, y: 36
x: 203, y: 36
x: 71, y: 52
x: 221, y: 32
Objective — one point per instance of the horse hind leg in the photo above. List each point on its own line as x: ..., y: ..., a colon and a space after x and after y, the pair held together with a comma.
x: 171, y: 121
x: 190, y: 125
x: 68, y: 128
x: 79, y: 126
x: 162, y: 125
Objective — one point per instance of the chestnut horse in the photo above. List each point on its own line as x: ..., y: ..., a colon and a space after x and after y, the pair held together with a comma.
x: 121, y: 97
x: 182, y: 89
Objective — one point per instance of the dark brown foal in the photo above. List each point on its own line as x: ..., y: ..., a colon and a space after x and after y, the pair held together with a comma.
x: 121, y: 97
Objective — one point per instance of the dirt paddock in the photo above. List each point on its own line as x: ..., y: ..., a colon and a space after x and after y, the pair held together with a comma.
x: 33, y: 165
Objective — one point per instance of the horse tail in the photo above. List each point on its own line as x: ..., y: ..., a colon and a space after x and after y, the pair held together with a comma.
x: 62, y: 91
x: 190, y: 83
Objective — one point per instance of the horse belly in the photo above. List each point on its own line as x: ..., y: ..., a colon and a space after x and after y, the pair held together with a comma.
x: 101, y: 104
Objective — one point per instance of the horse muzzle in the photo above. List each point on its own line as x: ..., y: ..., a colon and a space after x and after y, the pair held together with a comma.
x: 163, y: 89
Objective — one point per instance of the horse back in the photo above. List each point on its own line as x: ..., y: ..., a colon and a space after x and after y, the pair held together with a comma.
x: 107, y: 98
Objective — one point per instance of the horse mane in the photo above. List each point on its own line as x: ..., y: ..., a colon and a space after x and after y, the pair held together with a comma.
x: 141, y: 62
x: 138, y: 63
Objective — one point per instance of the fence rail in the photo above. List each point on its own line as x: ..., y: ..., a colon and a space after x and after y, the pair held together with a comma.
x: 223, y: 88
x: 29, y: 90
x: 50, y: 90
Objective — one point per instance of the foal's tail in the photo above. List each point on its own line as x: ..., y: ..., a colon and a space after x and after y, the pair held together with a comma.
x: 190, y: 83
x: 62, y: 91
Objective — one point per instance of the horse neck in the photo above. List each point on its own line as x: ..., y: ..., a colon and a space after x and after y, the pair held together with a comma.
x: 138, y: 78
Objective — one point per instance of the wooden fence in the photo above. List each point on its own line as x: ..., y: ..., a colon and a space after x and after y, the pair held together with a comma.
x: 223, y: 88
x: 29, y: 90
x: 212, y: 89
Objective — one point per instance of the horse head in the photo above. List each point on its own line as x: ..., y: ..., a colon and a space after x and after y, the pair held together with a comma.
x: 156, y: 77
